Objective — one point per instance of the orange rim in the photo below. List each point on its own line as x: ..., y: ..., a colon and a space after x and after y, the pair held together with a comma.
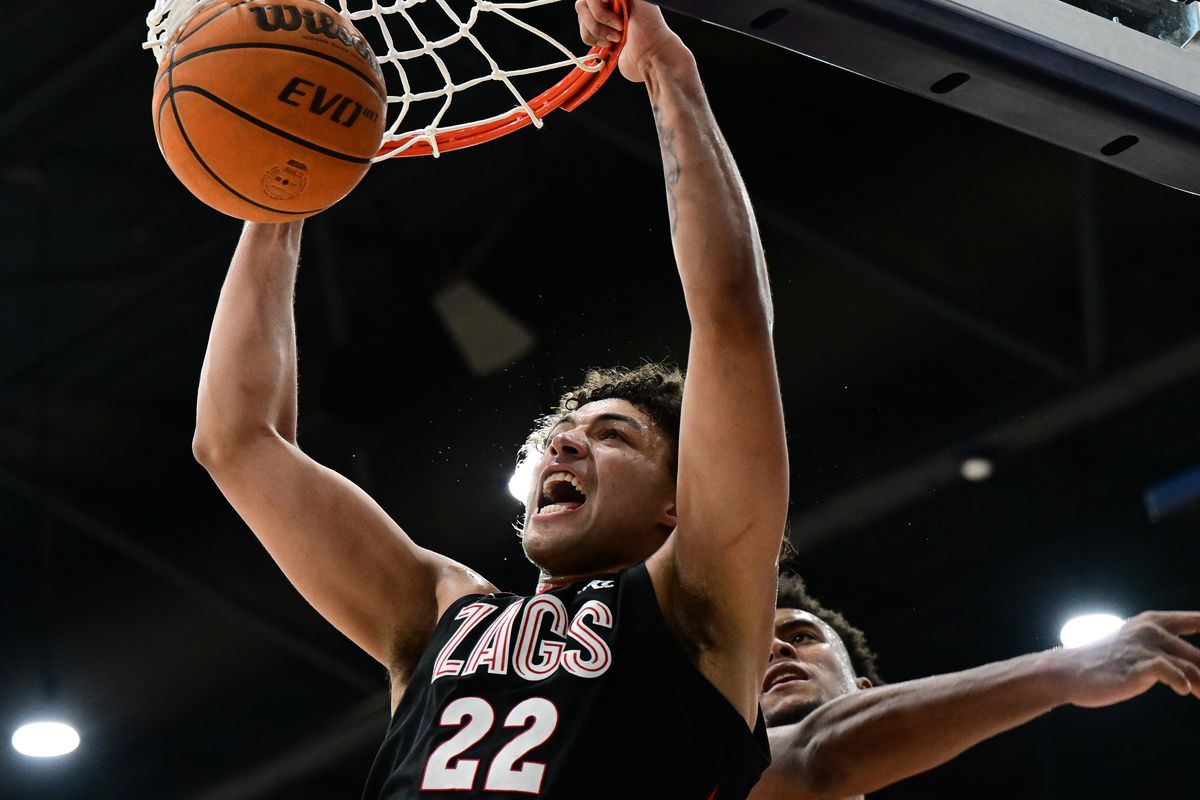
x: 569, y: 93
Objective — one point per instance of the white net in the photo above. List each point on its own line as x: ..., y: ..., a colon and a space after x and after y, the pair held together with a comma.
x: 436, y: 64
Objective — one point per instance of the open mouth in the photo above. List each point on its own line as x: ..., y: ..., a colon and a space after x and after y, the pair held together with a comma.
x: 561, y: 492
x: 785, y: 673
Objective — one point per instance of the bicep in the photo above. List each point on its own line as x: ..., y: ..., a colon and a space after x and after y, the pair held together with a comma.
x: 340, y: 549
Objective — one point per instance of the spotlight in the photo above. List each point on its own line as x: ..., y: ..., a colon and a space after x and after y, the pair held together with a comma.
x: 976, y: 468
x: 1089, y: 628
x: 45, y: 739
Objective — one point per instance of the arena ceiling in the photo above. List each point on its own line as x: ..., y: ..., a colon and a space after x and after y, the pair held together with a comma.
x: 944, y: 287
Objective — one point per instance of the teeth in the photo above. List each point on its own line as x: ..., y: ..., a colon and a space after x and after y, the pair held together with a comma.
x: 554, y: 508
x: 562, y: 476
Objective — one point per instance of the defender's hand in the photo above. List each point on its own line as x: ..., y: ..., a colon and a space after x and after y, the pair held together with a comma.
x: 648, y: 38
x: 1148, y: 649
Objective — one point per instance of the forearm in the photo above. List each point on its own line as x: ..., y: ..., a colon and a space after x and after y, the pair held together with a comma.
x: 864, y: 741
x: 248, y: 382
x: 713, y: 230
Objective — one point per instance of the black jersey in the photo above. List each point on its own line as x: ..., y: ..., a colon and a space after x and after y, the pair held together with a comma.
x: 575, y: 693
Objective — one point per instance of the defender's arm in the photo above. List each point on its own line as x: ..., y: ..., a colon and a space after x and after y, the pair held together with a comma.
x: 864, y: 741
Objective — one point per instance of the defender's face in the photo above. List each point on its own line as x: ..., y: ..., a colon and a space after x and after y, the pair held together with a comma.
x: 809, y: 666
x: 603, y: 494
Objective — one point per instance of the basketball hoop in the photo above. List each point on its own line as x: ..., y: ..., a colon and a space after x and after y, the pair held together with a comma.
x: 389, y: 26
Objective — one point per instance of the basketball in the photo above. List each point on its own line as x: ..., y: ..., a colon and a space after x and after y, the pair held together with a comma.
x: 268, y: 111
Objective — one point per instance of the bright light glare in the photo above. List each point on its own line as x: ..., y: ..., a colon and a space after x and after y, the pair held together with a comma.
x: 1089, y: 628
x: 976, y: 469
x: 45, y: 739
x: 518, y: 484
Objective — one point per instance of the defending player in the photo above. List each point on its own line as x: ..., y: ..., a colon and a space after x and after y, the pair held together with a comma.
x: 832, y: 741
x: 655, y: 521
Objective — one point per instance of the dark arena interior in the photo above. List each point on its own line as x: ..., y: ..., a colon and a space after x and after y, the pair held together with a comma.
x: 946, y: 288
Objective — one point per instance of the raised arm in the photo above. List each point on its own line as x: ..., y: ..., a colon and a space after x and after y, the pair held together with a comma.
x: 336, y: 545
x: 866, y: 740
x: 719, y: 567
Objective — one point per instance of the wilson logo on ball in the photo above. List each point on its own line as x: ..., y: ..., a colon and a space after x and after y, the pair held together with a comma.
x: 341, y: 109
x: 271, y: 18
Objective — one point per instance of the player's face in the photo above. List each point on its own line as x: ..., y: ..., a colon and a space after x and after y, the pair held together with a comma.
x: 603, y: 495
x: 809, y: 666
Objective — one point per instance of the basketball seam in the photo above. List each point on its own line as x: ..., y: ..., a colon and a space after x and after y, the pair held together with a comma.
x: 291, y: 137
x: 183, y: 38
x: 184, y: 35
x: 291, y: 48
x: 200, y: 160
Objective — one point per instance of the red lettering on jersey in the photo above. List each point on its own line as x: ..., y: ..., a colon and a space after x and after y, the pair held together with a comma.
x: 549, y: 653
x: 600, y: 656
x: 471, y: 615
x: 492, y: 647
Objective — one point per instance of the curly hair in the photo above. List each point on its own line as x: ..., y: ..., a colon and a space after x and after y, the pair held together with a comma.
x: 656, y: 389
x: 793, y: 594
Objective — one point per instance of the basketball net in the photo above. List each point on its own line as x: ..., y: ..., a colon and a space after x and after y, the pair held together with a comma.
x: 585, y: 73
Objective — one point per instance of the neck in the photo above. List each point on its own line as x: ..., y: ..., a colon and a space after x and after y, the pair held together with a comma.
x: 548, y: 580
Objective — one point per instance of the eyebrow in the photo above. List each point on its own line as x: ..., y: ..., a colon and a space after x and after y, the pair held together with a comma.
x: 609, y: 416
x: 793, y: 624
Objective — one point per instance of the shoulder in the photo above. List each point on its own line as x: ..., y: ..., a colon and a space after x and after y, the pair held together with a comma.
x: 452, y: 583
x: 728, y: 649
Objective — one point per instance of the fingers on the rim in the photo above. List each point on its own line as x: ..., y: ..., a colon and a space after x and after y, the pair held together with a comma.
x: 602, y: 10
x: 1178, y: 648
x: 591, y: 33
x: 1180, y: 623
x: 591, y: 30
x: 1190, y: 671
x: 587, y: 37
x: 1165, y: 670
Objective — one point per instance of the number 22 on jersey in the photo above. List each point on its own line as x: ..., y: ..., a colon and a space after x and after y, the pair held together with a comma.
x: 536, y: 717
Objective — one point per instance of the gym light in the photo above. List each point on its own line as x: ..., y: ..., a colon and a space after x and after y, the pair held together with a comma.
x: 976, y: 469
x: 1088, y: 628
x: 45, y: 739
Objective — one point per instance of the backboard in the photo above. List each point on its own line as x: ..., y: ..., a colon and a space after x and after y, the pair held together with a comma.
x: 1118, y: 80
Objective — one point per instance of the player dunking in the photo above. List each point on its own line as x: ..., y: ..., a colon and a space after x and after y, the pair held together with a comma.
x: 655, y: 520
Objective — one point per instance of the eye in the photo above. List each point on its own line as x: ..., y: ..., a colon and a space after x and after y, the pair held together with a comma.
x: 803, y: 637
x: 612, y: 433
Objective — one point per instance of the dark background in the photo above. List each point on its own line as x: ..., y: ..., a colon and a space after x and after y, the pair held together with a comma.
x: 942, y: 287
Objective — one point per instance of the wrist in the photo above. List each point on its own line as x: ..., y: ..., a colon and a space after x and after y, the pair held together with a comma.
x: 275, y: 231
x: 1055, y: 675
x: 670, y: 62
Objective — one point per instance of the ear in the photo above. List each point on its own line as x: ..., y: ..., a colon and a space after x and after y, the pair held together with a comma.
x: 865, y: 683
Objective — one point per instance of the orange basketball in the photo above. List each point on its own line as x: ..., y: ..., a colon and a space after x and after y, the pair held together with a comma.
x: 268, y: 111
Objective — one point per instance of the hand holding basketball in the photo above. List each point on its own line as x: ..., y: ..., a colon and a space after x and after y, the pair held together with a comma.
x: 648, y: 38
x: 268, y: 111
x: 1147, y: 650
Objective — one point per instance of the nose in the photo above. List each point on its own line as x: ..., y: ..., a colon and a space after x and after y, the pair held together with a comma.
x: 781, y: 649
x: 567, y: 445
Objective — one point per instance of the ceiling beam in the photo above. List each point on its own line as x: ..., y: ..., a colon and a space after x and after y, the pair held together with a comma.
x: 89, y: 525
x: 171, y: 277
x: 927, y: 298
x: 359, y: 729
x: 893, y: 278
x: 873, y: 500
